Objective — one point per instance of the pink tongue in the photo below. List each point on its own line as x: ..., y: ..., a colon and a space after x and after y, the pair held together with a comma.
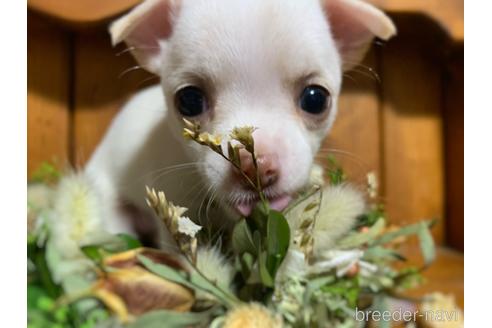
x: 280, y: 203
x: 277, y: 204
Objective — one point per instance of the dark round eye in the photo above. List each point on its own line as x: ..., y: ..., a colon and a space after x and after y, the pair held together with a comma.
x: 314, y: 99
x: 191, y: 101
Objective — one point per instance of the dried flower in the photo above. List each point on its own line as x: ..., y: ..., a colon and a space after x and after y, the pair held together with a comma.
x: 244, y: 135
x: 188, y: 227
x: 252, y: 315
x: 293, y: 265
x: 191, y: 130
x: 181, y: 228
x: 440, y: 311
x: 215, y: 267
x: 372, y: 185
x: 75, y: 220
x: 339, y: 208
x: 343, y: 261
x: 130, y: 290
x: 316, y: 176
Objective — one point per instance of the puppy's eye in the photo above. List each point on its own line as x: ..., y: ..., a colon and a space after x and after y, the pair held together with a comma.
x: 191, y: 101
x: 314, y: 99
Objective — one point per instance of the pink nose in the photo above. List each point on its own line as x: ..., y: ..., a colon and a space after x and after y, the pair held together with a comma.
x: 268, y: 168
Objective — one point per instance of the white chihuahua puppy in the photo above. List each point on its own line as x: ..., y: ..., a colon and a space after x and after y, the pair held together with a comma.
x: 273, y: 64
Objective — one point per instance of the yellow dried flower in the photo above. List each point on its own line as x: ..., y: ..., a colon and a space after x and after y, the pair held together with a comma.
x: 191, y: 130
x: 210, y: 139
x: 167, y: 211
x: 244, y: 135
x: 252, y: 315
x: 440, y: 311
x: 180, y: 227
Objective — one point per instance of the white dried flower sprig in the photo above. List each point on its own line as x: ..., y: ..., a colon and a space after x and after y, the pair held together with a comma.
x: 180, y: 227
x: 372, y: 184
x: 243, y: 137
x: 304, y: 236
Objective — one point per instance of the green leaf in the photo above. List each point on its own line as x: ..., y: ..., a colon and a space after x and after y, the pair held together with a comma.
x: 335, y: 171
x: 265, y: 276
x: 278, y: 240
x: 242, y: 239
x: 172, y: 319
x: 43, y: 273
x: 193, y: 280
x: 93, y: 252
x: 411, y: 229
x: 360, y: 238
x: 46, y: 172
x: 246, y: 261
x: 380, y: 253
x: 258, y: 218
x: 426, y: 244
x: 131, y: 242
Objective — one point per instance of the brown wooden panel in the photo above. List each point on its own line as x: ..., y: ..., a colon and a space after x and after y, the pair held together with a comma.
x: 48, y: 69
x: 412, y: 134
x: 448, y: 13
x: 445, y: 275
x: 101, y: 89
x: 354, y: 139
x: 81, y: 11
x: 454, y: 134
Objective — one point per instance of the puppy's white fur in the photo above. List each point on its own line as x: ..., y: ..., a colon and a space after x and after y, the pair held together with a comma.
x: 252, y: 58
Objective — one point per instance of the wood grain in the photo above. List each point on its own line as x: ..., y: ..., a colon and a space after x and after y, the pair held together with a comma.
x: 445, y: 275
x: 454, y: 148
x: 48, y: 68
x: 448, y: 13
x: 101, y: 88
x: 81, y: 12
x: 354, y: 139
x: 412, y: 134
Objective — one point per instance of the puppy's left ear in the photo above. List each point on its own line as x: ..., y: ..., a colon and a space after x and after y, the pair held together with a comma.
x: 354, y: 24
x: 144, y: 29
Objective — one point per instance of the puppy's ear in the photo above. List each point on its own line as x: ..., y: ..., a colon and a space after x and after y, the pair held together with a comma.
x: 144, y: 29
x: 354, y: 24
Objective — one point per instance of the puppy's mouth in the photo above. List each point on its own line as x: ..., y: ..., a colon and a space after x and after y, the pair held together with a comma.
x: 277, y: 203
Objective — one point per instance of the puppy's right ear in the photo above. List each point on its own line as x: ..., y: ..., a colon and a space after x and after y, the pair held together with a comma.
x: 144, y: 29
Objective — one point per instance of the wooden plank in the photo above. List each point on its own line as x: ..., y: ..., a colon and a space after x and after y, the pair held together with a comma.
x: 448, y: 13
x: 101, y: 89
x: 48, y: 72
x: 412, y: 134
x: 454, y: 143
x: 445, y: 275
x: 81, y: 12
x: 354, y: 139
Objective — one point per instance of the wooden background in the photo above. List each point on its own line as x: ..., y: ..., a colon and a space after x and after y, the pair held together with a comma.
x: 401, y: 112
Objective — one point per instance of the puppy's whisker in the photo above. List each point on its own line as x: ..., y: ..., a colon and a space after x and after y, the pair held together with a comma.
x: 204, y: 198
x: 129, y: 49
x: 128, y: 70
x: 155, y: 77
x: 175, y: 173
x: 192, y: 189
x: 210, y: 202
x: 197, y: 195
x: 190, y: 164
x: 350, y: 77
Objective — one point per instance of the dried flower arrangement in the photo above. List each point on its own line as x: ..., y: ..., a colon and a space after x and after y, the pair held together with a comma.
x: 307, y: 266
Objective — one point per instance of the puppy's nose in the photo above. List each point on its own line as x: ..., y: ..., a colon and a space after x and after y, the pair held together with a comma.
x: 268, y: 168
